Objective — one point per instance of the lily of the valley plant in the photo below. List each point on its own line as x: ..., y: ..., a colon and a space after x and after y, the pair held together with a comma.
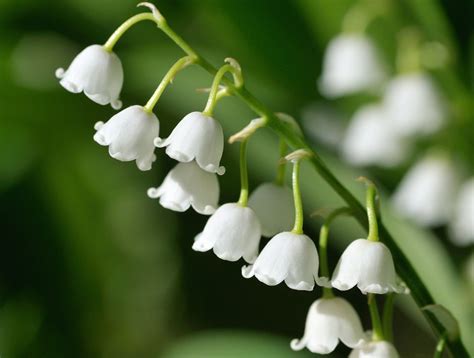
x: 234, y: 230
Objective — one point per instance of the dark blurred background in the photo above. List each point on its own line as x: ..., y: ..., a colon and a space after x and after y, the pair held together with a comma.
x: 91, y: 267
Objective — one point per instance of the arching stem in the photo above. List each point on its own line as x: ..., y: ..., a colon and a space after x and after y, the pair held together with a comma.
x: 298, y: 226
x: 323, y: 243
x: 172, y: 72
x: 244, y: 180
x: 212, y: 99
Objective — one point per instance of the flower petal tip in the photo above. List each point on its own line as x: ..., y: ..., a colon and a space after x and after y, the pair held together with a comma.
x: 59, y: 73
x: 297, y: 344
x: 153, y: 193
x: 247, y: 271
x: 116, y: 104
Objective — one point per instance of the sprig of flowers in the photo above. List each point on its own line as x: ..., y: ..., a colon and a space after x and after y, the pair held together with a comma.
x: 234, y: 229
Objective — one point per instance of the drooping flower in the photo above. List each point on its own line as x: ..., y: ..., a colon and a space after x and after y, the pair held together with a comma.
x: 351, y: 64
x: 129, y: 135
x: 426, y: 193
x: 273, y: 205
x: 369, y: 265
x: 188, y: 185
x: 330, y: 320
x: 288, y: 257
x: 462, y: 225
x: 414, y: 105
x: 196, y: 137
x: 232, y: 232
x: 370, y: 140
x: 375, y: 349
x: 96, y: 72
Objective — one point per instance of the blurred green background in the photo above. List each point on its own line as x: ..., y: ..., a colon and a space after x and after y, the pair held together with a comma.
x: 90, y: 267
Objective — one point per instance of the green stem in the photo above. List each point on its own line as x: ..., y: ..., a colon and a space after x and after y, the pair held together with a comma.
x: 388, y: 317
x: 323, y: 243
x: 372, y: 213
x: 404, y: 268
x: 377, y: 332
x: 298, y: 227
x: 178, y: 66
x: 112, y: 40
x: 244, y: 179
x: 280, y: 177
x: 212, y: 100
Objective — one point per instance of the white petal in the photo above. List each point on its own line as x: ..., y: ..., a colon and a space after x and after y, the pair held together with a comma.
x: 129, y: 135
x: 368, y: 264
x: 328, y: 321
x: 287, y: 257
x: 414, y: 104
x: 369, y: 139
x: 97, y: 72
x: 187, y: 184
x: 380, y: 349
x: 347, y: 271
x: 351, y: 64
x: 196, y: 137
x: 274, y: 207
x: 462, y: 225
x: 233, y: 231
x: 426, y: 193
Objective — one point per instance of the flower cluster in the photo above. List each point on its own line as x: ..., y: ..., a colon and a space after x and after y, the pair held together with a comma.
x: 234, y: 230
x: 409, y: 108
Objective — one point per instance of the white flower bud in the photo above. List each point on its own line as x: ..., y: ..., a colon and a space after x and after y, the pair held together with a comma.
x: 330, y: 320
x: 288, y: 257
x: 426, y: 193
x: 273, y: 205
x: 370, y: 140
x: 96, y: 72
x: 369, y: 265
x: 233, y: 231
x: 351, y: 64
x: 129, y: 135
x: 414, y: 105
x: 462, y: 225
x: 188, y: 185
x: 196, y: 137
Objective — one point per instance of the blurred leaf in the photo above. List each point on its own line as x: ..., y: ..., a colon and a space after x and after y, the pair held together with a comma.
x: 233, y: 344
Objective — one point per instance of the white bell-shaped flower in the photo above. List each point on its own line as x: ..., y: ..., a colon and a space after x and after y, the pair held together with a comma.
x: 330, y: 320
x: 196, y: 137
x: 288, y: 257
x: 414, y: 105
x: 351, y: 64
x: 375, y: 349
x: 462, y: 225
x: 188, y: 185
x: 370, y: 140
x: 232, y: 232
x: 273, y: 205
x: 96, y: 72
x: 426, y: 193
x: 369, y: 265
x: 129, y: 135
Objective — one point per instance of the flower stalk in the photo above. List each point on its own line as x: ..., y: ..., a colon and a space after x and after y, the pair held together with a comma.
x: 377, y: 331
x: 167, y: 79
x: 244, y: 179
x: 323, y: 243
x: 234, y: 68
